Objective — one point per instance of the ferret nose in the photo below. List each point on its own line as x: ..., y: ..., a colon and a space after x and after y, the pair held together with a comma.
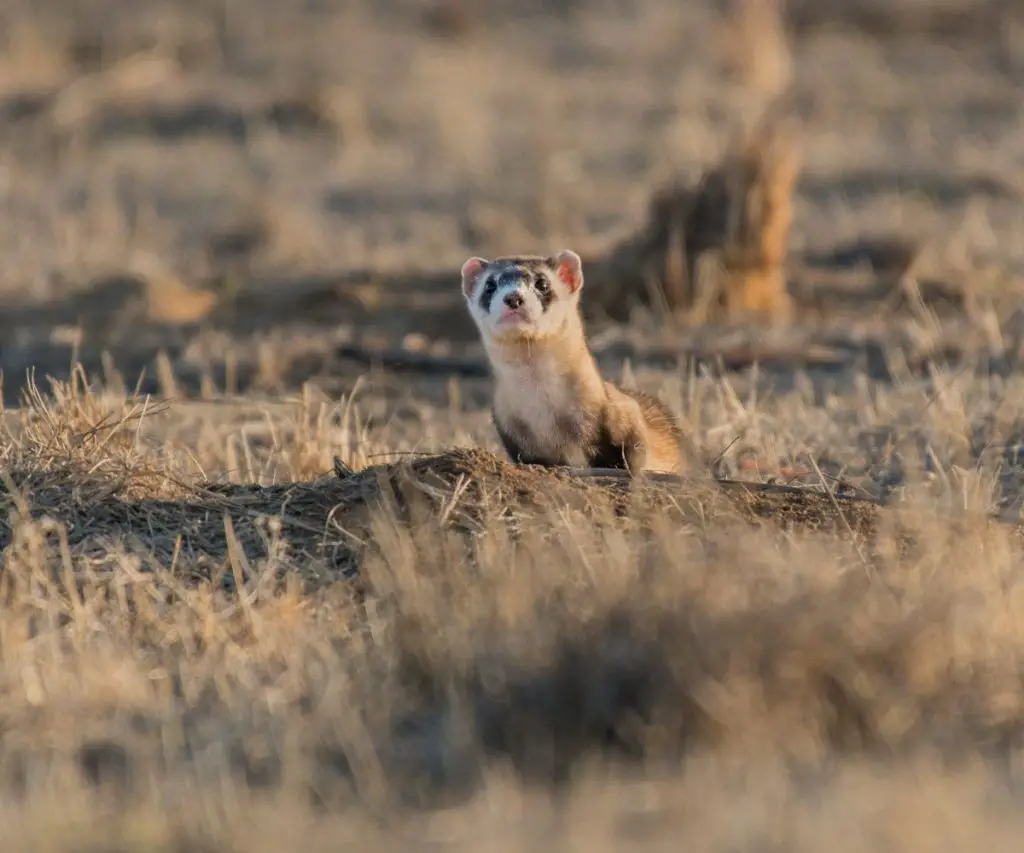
x: 513, y: 300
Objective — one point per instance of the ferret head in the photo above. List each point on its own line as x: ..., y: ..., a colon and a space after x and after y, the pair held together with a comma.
x: 523, y: 298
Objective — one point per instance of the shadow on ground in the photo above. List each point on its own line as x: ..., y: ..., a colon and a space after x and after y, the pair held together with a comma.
x: 339, y: 325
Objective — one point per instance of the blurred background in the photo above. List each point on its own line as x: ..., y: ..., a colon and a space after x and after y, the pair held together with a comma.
x: 188, y: 176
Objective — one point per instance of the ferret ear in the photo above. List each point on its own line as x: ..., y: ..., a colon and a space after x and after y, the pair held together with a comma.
x: 570, y: 269
x: 471, y: 274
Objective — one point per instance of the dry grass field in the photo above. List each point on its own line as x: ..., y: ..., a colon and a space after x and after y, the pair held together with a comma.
x: 266, y: 581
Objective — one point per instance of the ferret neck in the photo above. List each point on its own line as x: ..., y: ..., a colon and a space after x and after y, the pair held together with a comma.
x: 563, y: 352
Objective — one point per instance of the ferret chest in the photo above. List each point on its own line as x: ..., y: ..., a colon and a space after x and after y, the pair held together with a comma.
x: 545, y: 410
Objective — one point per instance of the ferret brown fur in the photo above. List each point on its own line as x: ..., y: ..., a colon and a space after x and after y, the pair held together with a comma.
x: 551, y: 405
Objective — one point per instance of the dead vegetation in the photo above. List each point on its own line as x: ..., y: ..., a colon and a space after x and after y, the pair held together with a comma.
x: 754, y: 46
x: 715, y: 251
x: 267, y: 582
x: 294, y: 204
x: 326, y: 522
x: 424, y: 648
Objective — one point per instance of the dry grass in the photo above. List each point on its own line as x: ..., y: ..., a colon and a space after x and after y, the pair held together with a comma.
x: 231, y: 278
x: 423, y: 651
x: 717, y: 250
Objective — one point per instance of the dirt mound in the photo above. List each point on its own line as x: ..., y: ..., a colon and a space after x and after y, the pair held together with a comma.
x: 324, y: 526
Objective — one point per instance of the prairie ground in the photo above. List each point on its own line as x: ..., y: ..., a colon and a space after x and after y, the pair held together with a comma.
x: 267, y: 583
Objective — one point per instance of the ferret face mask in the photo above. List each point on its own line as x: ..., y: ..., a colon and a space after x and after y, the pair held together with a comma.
x: 522, y: 297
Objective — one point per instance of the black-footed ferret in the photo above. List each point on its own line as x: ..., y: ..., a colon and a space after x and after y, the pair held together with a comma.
x: 551, y: 405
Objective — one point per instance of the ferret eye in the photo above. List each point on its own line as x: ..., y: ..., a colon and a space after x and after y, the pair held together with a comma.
x: 490, y: 286
x: 542, y: 284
